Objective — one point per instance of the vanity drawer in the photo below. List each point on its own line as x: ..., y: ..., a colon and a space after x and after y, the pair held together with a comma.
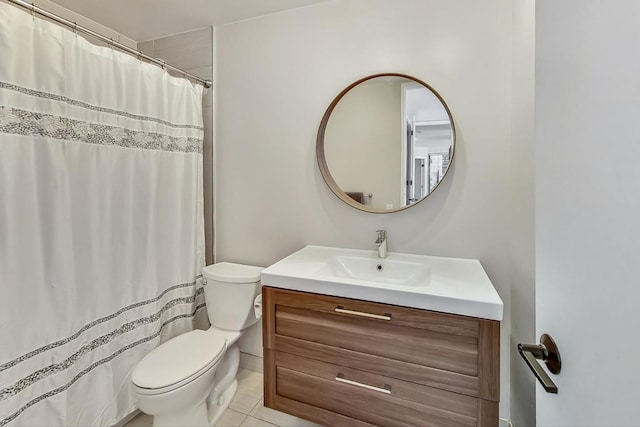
x: 419, y: 374
x: 418, y: 346
x: 369, y: 397
x: 456, y: 353
x: 383, y: 313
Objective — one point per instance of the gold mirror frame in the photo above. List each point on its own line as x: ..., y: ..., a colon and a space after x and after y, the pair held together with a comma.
x: 322, y: 161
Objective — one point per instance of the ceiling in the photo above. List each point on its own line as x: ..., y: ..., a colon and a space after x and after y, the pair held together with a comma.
x: 143, y: 20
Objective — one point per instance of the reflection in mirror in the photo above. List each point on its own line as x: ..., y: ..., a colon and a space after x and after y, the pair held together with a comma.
x: 385, y: 143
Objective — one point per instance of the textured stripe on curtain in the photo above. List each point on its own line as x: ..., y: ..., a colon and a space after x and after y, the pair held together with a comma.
x: 101, y: 221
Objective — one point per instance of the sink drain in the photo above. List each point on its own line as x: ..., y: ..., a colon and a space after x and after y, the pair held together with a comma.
x: 379, y: 267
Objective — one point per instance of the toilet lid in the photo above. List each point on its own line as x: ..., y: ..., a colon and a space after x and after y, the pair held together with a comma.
x: 178, y: 359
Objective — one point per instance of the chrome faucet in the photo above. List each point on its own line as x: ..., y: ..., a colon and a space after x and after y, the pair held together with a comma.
x: 381, y: 243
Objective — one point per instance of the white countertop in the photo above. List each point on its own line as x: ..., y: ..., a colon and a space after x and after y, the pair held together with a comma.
x: 448, y: 285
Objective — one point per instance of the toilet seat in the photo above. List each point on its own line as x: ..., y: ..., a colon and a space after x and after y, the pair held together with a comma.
x: 178, y: 361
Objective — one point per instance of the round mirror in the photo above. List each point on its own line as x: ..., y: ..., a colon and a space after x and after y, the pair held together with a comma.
x: 385, y: 143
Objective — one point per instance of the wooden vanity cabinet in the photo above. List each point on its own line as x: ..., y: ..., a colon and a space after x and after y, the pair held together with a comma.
x: 344, y: 362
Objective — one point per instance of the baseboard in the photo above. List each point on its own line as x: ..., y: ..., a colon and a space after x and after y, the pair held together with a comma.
x: 251, y: 362
x: 505, y: 423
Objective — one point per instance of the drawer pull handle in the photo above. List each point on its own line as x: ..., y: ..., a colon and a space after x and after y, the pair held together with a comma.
x: 386, y: 390
x: 363, y: 314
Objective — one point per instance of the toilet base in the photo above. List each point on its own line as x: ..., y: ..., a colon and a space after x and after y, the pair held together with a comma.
x: 193, y: 416
x: 206, y: 414
x: 216, y: 409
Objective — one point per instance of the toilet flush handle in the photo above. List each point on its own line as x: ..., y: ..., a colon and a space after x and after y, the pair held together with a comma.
x: 257, y: 306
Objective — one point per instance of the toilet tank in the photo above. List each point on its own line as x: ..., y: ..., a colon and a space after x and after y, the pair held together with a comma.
x: 229, y: 292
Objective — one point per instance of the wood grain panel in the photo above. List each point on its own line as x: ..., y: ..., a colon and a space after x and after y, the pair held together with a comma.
x: 431, y: 397
x: 268, y: 317
x: 268, y: 337
x: 367, y: 405
x: 489, y: 360
x: 422, y: 347
x: 419, y: 374
x: 402, y: 316
x: 488, y: 413
x: 270, y: 383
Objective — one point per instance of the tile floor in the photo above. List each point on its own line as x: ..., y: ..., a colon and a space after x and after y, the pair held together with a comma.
x: 246, y: 410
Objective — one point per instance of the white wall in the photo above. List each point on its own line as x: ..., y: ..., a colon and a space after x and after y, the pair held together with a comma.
x: 432, y: 139
x: 423, y: 105
x: 277, y: 74
x: 522, y: 259
x: 363, y: 142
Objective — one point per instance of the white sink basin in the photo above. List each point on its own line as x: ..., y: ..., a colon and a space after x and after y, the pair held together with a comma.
x: 449, y: 285
x: 369, y: 267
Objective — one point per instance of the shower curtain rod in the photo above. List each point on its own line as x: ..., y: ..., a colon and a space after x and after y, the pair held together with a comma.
x: 35, y: 9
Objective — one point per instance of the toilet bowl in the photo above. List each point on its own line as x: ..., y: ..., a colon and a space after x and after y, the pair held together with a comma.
x: 191, y: 379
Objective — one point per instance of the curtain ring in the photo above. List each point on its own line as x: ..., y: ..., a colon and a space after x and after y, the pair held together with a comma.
x: 33, y: 11
x: 75, y: 29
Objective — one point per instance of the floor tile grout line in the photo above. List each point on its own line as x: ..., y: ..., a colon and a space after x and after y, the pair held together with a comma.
x: 244, y: 419
x: 255, y: 406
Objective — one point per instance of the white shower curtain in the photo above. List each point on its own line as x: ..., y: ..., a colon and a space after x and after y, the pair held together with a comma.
x: 101, y: 221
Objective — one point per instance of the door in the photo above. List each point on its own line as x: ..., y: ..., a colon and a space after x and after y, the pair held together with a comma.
x: 420, y: 178
x: 588, y: 216
x: 411, y: 132
x: 435, y: 170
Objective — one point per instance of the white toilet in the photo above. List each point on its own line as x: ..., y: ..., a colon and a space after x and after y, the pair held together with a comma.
x: 190, y: 379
